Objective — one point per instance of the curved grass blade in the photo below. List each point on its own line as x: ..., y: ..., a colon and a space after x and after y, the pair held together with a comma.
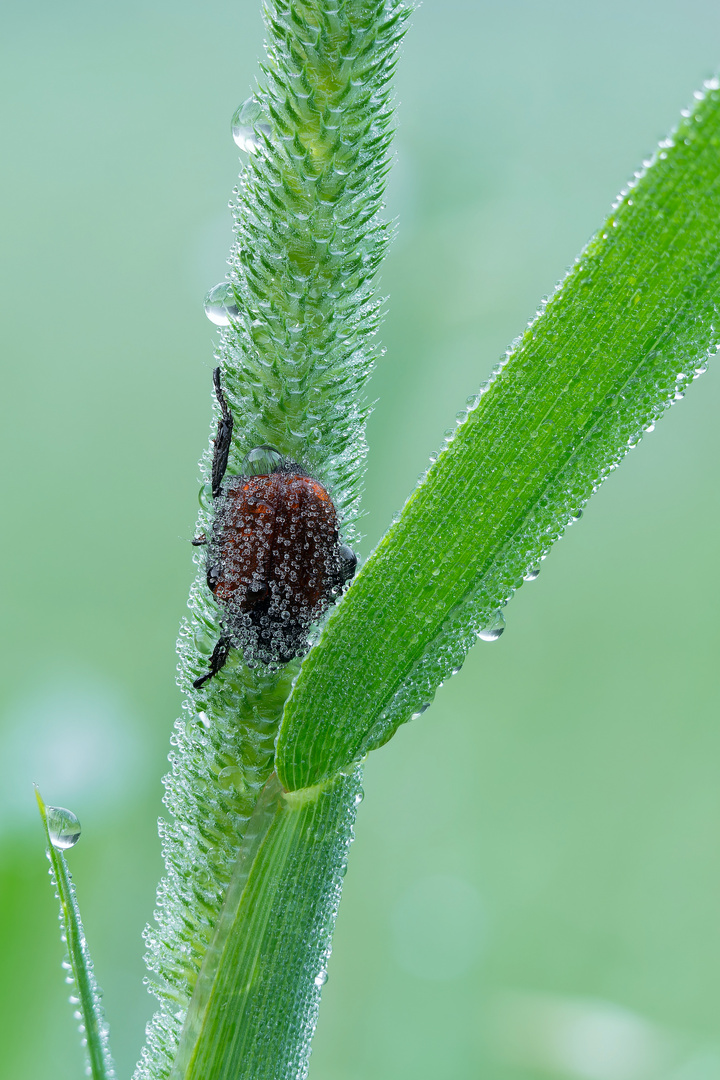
x: 86, y: 997
x: 623, y: 335
x: 255, y: 1006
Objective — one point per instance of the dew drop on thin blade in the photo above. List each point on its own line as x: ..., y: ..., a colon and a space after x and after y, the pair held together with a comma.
x: 494, y: 628
x: 219, y: 304
x: 63, y: 827
x: 262, y: 461
x: 249, y: 125
x: 530, y: 575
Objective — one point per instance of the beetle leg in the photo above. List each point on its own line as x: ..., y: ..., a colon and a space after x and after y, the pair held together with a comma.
x: 347, y: 563
x: 217, y: 661
x: 223, y: 439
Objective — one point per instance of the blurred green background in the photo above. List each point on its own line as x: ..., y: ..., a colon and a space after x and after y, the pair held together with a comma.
x: 535, y: 886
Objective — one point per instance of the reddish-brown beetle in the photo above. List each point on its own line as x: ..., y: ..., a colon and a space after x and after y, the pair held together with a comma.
x: 274, y: 557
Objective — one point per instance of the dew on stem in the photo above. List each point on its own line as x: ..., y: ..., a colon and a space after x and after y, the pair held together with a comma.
x: 220, y: 304
x: 249, y: 124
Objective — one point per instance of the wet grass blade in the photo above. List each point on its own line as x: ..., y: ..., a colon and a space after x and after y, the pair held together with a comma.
x: 255, y: 1004
x: 86, y: 996
x: 623, y: 335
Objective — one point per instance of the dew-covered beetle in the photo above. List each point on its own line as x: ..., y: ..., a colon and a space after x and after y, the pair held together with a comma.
x: 274, y: 558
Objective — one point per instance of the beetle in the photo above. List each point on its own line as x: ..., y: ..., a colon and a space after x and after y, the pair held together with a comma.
x: 274, y: 558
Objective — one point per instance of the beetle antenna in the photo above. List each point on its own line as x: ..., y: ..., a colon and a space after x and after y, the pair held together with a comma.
x: 223, y: 439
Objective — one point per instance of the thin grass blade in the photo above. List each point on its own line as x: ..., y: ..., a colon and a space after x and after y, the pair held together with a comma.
x: 87, y: 994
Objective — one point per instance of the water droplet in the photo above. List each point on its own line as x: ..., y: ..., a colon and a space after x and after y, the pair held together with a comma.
x: 494, y: 628
x: 530, y: 575
x: 231, y: 777
x: 321, y: 979
x: 262, y: 461
x: 220, y: 306
x: 249, y: 125
x: 63, y: 827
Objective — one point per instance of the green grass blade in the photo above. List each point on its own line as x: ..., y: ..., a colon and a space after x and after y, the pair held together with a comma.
x: 255, y: 1006
x: 86, y: 996
x: 623, y: 335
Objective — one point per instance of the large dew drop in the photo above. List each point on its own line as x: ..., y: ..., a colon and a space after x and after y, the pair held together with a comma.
x: 63, y: 827
x: 494, y: 628
x: 262, y: 461
x: 220, y: 306
x: 249, y: 125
